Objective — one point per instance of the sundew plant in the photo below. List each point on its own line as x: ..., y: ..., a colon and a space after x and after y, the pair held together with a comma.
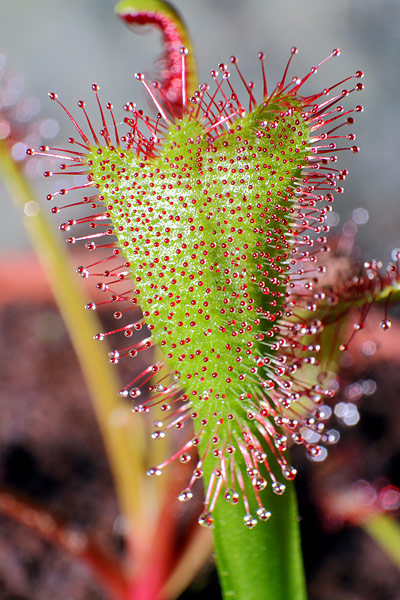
x: 205, y: 226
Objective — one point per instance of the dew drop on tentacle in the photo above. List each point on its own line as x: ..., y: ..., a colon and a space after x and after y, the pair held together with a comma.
x: 278, y: 488
x: 154, y: 471
x: 185, y: 495
x: 385, y: 324
x: 205, y: 519
x: 249, y: 521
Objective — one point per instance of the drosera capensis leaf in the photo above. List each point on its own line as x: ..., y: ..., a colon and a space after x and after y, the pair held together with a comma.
x: 213, y: 213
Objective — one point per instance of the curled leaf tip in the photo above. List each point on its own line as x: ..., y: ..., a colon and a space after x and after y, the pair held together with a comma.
x: 178, y: 75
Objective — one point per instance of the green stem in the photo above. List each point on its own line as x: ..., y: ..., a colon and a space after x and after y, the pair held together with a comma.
x: 124, y: 447
x: 386, y: 533
x: 264, y: 563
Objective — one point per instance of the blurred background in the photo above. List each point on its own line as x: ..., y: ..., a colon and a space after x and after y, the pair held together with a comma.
x: 50, y: 447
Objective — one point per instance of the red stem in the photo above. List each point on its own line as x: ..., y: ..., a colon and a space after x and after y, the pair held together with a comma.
x: 104, y: 567
x: 157, y: 561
